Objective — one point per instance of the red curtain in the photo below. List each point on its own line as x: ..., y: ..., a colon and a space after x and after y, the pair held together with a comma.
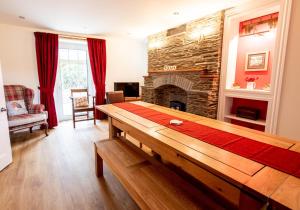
x: 97, y: 54
x: 47, y: 56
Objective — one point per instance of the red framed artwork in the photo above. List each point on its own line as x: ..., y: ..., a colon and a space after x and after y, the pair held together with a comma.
x: 257, y: 61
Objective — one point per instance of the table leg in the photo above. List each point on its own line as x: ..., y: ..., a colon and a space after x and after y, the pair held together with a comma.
x: 112, y: 129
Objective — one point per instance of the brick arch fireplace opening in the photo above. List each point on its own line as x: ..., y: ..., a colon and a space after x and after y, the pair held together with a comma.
x: 171, y: 96
x: 173, y: 80
x: 196, y: 92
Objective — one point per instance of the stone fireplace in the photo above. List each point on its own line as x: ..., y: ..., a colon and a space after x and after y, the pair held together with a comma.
x: 198, y: 93
x: 184, y: 69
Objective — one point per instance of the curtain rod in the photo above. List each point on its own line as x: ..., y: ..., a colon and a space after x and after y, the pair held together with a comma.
x: 72, y: 37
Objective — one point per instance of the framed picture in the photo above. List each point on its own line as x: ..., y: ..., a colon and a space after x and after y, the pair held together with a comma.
x: 257, y: 61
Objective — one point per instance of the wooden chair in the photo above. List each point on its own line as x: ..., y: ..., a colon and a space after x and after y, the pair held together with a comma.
x: 115, y: 97
x: 83, y: 110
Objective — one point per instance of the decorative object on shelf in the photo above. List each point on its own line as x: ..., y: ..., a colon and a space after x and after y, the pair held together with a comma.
x: 251, y: 84
x: 248, y: 113
x: 267, y: 87
x: 236, y: 85
x: 170, y: 68
x: 259, y: 25
x: 257, y: 61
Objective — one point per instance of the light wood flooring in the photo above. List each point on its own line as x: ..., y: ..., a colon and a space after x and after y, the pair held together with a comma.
x: 57, y: 172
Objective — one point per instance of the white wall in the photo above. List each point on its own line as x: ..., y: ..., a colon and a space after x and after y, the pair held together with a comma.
x: 126, y: 61
x: 126, y: 58
x: 289, y: 113
x: 17, y: 54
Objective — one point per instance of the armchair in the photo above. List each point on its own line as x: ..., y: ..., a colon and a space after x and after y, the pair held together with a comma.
x: 35, y: 115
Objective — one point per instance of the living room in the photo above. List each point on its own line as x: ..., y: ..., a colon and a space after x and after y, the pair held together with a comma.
x: 134, y: 104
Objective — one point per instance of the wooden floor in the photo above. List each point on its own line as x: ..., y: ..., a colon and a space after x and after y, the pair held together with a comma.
x: 57, y: 172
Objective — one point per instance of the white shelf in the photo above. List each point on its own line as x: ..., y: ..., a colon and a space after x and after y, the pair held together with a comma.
x: 255, y: 91
x: 227, y: 93
x: 257, y: 122
x: 261, y: 95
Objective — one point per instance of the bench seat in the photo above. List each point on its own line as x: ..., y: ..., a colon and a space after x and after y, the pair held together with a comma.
x: 151, y: 184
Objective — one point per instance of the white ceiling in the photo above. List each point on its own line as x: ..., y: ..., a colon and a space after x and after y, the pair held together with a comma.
x: 137, y: 18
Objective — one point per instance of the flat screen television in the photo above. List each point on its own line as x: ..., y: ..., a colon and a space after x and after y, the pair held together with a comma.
x: 130, y: 89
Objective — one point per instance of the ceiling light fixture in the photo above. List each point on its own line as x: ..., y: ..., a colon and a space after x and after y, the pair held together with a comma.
x: 176, y: 13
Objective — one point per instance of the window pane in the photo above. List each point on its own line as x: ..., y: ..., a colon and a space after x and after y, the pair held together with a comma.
x: 63, y: 54
x: 82, y: 55
x: 73, y: 73
x: 73, y: 55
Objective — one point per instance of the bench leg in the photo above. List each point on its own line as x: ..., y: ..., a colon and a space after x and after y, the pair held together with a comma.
x: 98, y: 164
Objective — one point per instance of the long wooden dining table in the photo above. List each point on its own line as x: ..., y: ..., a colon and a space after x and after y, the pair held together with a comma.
x: 241, y: 181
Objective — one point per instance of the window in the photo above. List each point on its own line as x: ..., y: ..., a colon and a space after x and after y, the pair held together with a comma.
x: 73, y: 72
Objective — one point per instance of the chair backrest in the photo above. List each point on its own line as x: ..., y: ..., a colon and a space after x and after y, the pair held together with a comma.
x: 115, y: 97
x: 19, y: 92
x: 79, y: 92
x: 80, y: 97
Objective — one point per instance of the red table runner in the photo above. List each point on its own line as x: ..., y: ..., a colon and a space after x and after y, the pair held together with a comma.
x: 275, y: 157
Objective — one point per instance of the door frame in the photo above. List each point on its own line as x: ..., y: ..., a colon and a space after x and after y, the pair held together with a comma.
x: 5, y: 145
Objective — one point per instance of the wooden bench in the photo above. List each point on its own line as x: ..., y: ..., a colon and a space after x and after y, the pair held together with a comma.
x: 151, y: 184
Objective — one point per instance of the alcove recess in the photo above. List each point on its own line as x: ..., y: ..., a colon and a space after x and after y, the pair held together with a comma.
x: 251, y: 64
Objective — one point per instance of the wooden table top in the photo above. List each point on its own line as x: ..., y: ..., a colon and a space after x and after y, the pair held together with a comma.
x: 242, y: 172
